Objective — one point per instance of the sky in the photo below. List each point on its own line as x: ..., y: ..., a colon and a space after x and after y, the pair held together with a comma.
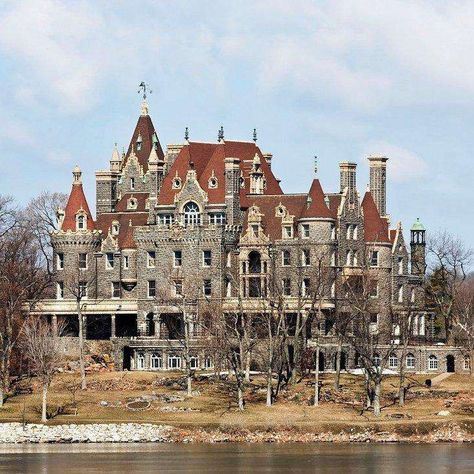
x: 337, y: 79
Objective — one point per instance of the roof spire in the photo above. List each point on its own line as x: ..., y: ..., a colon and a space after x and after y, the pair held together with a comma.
x: 186, y: 134
x: 315, y: 166
x: 255, y: 135
x: 77, y: 175
x: 220, y: 134
x: 143, y: 88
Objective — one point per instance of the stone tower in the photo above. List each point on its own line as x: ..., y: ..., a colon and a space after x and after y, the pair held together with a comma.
x: 418, y: 248
x: 348, y: 178
x: 378, y: 182
x: 232, y: 190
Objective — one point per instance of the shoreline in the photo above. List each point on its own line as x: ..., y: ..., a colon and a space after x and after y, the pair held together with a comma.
x: 98, y: 433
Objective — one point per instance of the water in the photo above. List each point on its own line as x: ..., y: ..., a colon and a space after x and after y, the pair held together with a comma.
x: 238, y: 457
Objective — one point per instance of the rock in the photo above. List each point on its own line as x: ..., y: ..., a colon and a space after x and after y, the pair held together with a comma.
x: 444, y: 413
x: 104, y: 403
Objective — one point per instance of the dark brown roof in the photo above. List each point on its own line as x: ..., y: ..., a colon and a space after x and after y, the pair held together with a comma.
x: 317, y: 207
x: 127, y: 221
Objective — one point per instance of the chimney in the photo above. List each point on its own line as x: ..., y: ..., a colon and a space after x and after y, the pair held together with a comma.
x: 348, y: 177
x: 378, y: 182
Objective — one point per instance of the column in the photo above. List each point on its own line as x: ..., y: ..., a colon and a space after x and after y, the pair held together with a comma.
x: 157, y: 321
x: 54, y: 324
x: 112, y: 326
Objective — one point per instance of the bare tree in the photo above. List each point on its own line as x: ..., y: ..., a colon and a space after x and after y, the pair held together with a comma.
x: 42, y: 348
x: 449, y: 261
x: 22, y: 283
x: 41, y: 215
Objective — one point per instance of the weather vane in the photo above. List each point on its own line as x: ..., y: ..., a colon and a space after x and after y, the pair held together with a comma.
x: 315, y: 165
x: 143, y: 88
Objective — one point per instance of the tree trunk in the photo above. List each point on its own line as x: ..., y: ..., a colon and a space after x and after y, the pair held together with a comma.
x: 269, y: 386
x: 338, y: 366
x: 247, y: 366
x: 368, y: 389
x: 44, y: 415
x: 471, y: 363
x: 81, y: 346
x: 316, y: 379
x: 188, y: 359
x: 377, y: 391
x: 401, y: 390
x: 240, y: 396
x: 1, y: 395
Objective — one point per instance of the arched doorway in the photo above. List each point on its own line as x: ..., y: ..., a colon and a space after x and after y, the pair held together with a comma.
x: 450, y: 365
x: 321, y: 362
x: 127, y: 358
x: 150, y: 325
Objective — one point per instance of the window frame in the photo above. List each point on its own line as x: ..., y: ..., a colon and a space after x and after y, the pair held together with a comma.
x: 82, y: 262
x: 60, y: 260
x: 115, y: 285
x: 177, y: 260
x: 207, y: 258
x: 151, y: 288
x: 109, y: 262
x: 150, y: 258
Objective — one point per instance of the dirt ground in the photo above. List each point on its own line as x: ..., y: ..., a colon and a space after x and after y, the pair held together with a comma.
x: 108, y: 397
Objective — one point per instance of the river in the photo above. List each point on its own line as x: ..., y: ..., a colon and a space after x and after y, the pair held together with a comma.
x: 237, y: 457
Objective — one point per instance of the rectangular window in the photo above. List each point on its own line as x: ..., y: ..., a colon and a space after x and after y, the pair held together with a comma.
x: 286, y: 284
x: 110, y: 261
x: 373, y: 289
x: 412, y: 295
x: 156, y: 361
x: 206, y: 258
x: 355, y: 232
x: 115, y: 289
x: 83, y: 261
x: 60, y: 261
x: 333, y: 232
x: 126, y: 262
x: 166, y: 219
x: 229, y: 259
x: 306, y: 259
x: 286, y: 258
x: 207, y: 288
x: 132, y: 183
x: 400, y: 294
x: 208, y: 363
x: 60, y: 290
x: 400, y: 265
x: 217, y: 218
x: 150, y: 259
x: 333, y: 259
x: 83, y: 289
x: 306, y: 286
x: 305, y: 228
x: 151, y: 288
x: 287, y: 232
x: 177, y: 258
x: 194, y: 362
x: 374, y: 258
x: 178, y: 287
x: 255, y: 230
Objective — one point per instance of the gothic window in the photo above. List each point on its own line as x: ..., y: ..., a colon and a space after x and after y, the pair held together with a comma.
x: 400, y: 294
x: 60, y: 290
x: 410, y: 361
x: 412, y: 295
x: 207, y: 287
x: 355, y: 232
x: 348, y: 231
x: 255, y: 262
x: 286, y: 285
x: 333, y: 258
x: 194, y: 362
x: 177, y: 258
x: 305, y: 287
x: 178, y: 287
x: 228, y: 288
x: 348, y: 258
x: 192, y: 216
x: 400, y: 265
x: 305, y: 258
x: 141, y: 361
x: 174, y: 362
x: 432, y: 362
x: 333, y: 232
x: 374, y: 258
x: 354, y: 263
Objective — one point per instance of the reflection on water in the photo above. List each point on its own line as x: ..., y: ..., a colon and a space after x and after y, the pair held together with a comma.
x: 242, y: 458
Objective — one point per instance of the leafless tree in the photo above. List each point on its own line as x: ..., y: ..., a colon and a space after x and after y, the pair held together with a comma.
x: 449, y: 261
x: 41, y: 215
x: 42, y: 348
x: 22, y: 283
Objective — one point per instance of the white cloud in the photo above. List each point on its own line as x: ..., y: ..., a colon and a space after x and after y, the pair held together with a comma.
x: 403, y: 165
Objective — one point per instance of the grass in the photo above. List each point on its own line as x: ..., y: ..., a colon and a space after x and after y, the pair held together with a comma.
x: 215, y: 406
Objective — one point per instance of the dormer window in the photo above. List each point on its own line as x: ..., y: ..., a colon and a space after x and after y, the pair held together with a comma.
x: 255, y: 230
x: 139, y: 142
x: 115, y: 228
x: 287, y: 231
x: 192, y: 215
x: 132, y: 183
x: 81, y: 222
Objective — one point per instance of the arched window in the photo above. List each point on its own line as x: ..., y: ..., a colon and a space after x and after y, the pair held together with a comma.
x: 432, y: 362
x: 81, y: 222
x: 156, y: 361
x: 355, y: 233
x: 393, y: 361
x: 255, y: 262
x: 410, y: 361
x: 192, y: 216
x: 141, y: 361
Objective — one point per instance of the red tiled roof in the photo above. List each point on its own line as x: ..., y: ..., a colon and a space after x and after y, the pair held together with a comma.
x: 209, y: 159
x: 141, y: 200
x: 77, y: 201
x: 393, y: 234
x: 334, y: 201
x: 375, y: 227
x: 125, y: 236
x: 146, y: 129
x: 317, y: 207
x: 294, y: 203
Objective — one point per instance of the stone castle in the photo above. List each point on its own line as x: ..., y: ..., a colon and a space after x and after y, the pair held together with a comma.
x: 210, y: 221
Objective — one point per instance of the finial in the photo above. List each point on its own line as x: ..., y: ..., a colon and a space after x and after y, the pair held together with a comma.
x: 220, y: 134
x: 255, y: 135
x: 315, y: 165
x: 186, y: 134
x: 115, y: 154
x: 143, y: 88
x: 77, y: 175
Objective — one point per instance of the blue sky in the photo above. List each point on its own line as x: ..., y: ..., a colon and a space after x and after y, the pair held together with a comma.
x: 340, y: 80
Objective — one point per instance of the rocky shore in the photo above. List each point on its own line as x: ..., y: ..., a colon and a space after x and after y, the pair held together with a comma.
x: 150, y: 433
